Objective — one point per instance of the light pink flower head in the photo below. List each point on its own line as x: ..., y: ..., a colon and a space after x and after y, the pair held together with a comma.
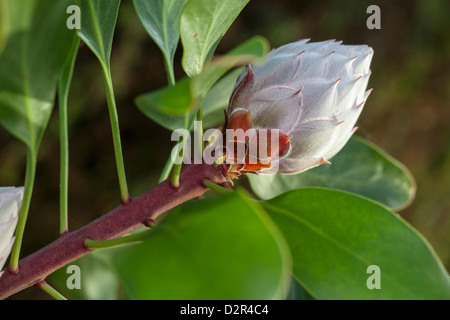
x: 312, y: 92
x: 10, y: 204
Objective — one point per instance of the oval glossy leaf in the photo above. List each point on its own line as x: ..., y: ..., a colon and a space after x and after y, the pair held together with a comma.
x: 335, y: 237
x: 250, y: 51
x: 30, y: 63
x: 98, y: 20
x: 203, y: 24
x: 164, y: 119
x: 223, y: 248
x: 161, y: 20
x: 360, y: 167
x: 216, y: 101
x: 213, y: 105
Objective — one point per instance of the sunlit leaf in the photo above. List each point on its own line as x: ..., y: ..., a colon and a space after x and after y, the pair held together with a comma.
x: 171, y: 100
x: 223, y: 248
x: 213, y: 105
x: 37, y: 46
x: 203, y: 24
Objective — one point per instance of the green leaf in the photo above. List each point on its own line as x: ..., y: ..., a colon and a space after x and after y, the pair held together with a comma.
x: 203, y: 24
x: 226, y: 248
x: 65, y: 78
x: 334, y: 236
x: 98, y: 280
x: 30, y: 63
x: 216, y: 101
x: 296, y: 292
x: 172, y: 100
x: 98, y: 20
x: 213, y: 105
x: 161, y: 20
x: 168, y: 105
x: 168, y: 121
x: 4, y: 24
x: 360, y: 167
x: 250, y: 51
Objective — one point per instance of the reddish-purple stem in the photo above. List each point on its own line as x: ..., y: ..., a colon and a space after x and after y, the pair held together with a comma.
x: 69, y: 247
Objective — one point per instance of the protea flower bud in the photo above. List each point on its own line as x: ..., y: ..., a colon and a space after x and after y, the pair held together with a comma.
x: 10, y: 203
x: 313, y: 93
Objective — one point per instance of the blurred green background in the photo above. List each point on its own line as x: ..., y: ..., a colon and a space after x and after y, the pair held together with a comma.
x: 408, y: 113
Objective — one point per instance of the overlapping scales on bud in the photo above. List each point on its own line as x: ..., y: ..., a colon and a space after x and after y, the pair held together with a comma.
x: 10, y: 203
x: 313, y: 93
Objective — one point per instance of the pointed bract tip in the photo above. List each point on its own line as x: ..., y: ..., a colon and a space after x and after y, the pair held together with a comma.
x: 324, y: 161
x: 367, y: 93
x: 249, y: 70
x: 298, y: 92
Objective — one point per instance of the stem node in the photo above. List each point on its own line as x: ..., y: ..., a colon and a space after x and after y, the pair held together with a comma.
x: 149, y: 223
x: 126, y: 202
x: 13, y: 271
